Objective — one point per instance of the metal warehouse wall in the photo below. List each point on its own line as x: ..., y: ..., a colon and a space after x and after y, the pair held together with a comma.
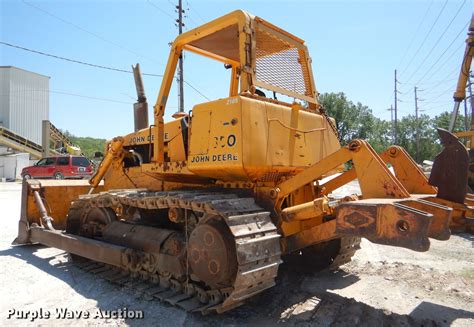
x: 4, y: 96
x: 24, y: 101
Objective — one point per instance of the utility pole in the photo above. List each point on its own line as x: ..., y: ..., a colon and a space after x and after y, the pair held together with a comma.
x: 395, y: 127
x: 391, y: 121
x: 180, y: 112
x: 417, y: 157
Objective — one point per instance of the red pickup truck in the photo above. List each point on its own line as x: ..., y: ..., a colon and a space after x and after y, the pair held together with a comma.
x: 59, y: 167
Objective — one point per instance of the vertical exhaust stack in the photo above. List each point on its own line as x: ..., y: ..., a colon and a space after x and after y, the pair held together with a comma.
x: 140, y: 108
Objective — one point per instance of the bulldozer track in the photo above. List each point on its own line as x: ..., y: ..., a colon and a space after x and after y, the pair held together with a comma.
x: 349, y: 246
x: 255, y: 237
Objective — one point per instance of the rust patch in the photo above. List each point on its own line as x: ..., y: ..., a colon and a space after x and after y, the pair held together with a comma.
x: 358, y: 219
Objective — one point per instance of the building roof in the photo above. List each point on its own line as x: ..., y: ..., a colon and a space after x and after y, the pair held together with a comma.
x: 24, y: 70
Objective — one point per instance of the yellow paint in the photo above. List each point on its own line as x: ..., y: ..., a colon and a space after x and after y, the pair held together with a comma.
x: 239, y: 138
x: 275, y: 149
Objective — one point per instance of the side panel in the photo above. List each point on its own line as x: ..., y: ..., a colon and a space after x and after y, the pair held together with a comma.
x: 199, y: 134
x: 246, y: 139
x: 294, y: 137
x: 174, y: 141
x: 255, y: 141
x: 216, y: 140
x: 279, y: 139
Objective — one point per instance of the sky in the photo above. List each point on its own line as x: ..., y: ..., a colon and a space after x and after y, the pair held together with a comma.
x: 355, y: 47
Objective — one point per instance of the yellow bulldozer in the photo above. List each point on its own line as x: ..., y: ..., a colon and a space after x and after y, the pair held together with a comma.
x: 202, y: 209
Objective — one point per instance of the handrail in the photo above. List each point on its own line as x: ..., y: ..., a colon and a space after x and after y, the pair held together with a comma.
x: 24, y: 144
x: 19, y: 139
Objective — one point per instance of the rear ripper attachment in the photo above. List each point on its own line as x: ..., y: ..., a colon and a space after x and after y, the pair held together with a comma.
x: 399, y: 209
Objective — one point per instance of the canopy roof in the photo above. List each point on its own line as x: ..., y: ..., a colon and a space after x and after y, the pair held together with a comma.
x: 275, y: 59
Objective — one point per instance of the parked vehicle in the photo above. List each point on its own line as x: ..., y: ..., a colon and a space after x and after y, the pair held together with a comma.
x: 59, y: 167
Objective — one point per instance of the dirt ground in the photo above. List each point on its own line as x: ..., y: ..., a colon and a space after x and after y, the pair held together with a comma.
x: 381, y: 286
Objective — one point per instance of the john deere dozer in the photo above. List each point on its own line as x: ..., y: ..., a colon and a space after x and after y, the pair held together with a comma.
x: 203, y: 208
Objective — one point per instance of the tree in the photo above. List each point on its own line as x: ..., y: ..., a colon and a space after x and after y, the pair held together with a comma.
x: 356, y: 121
x: 443, y: 119
x: 89, y: 145
x: 429, y: 143
x: 381, y: 136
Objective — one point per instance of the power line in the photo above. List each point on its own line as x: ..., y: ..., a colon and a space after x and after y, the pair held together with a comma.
x: 447, y: 76
x: 416, y: 32
x: 431, y: 92
x: 444, y: 106
x: 437, y: 95
x: 437, y: 41
x: 195, y: 89
x: 445, y: 62
x: 428, y: 84
x: 88, y: 97
x: 73, y: 94
x: 439, y: 58
x: 426, y: 37
x: 73, y: 60
x: 438, y: 69
x: 94, y: 65
x: 160, y: 10
x: 191, y: 19
x: 197, y: 13
x: 438, y: 81
x: 87, y: 31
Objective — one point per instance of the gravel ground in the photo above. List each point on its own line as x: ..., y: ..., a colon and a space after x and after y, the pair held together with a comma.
x: 381, y: 286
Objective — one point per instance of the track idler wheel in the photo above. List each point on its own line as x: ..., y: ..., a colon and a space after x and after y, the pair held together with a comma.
x: 89, y: 221
x: 212, y: 257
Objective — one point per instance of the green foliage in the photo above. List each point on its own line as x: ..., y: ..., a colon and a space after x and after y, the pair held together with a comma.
x: 444, y: 118
x: 88, y: 145
x: 357, y: 121
x: 429, y: 142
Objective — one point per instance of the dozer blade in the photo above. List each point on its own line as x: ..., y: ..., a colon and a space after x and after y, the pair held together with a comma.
x: 55, y: 196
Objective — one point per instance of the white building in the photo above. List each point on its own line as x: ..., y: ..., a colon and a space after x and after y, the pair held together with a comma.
x: 12, y: 164
x: 24, y: 102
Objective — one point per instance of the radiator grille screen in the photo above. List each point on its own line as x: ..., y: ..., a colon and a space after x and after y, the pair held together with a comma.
x: 281, y: 64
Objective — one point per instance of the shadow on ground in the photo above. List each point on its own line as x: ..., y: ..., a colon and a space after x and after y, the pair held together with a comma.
x: 286, y: 303
x: 467, y: 236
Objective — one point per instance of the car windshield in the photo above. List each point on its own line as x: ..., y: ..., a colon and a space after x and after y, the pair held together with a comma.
x: 80, y: 161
